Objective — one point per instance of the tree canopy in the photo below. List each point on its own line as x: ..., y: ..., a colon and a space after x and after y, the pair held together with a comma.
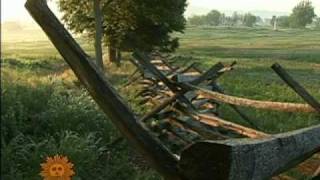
x: 214, y: 18
x: 249, y: 20
x: 284, y: 21
x: 197, y: 20
x: 129, y: 24
x: 302, y: 14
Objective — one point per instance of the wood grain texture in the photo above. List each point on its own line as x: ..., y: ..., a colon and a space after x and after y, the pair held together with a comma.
x: 248, y: 159
x: 218, y: 122
x: 269, y: 105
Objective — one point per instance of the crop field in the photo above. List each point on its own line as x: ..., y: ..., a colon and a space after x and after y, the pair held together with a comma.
x: 45, y: 110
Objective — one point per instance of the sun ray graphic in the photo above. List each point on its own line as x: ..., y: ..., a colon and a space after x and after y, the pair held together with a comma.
x: 57, y: 168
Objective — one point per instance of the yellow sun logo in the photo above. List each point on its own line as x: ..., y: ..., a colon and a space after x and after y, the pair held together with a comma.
x: 57, y: 168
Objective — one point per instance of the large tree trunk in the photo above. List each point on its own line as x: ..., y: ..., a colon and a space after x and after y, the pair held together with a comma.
x: 112, y: 52
x: 119, y: 57
x: 98, y: 35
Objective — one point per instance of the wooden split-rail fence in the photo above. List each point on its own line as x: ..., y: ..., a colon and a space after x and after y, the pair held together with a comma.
x: 186, y: 103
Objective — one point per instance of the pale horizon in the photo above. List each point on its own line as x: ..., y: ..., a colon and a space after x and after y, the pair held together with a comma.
x: 251, y: 5
x: 13, y: 10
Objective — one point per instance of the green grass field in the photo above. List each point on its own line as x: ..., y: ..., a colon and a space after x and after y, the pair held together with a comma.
x: 46, y: 111
x: 256, y: 50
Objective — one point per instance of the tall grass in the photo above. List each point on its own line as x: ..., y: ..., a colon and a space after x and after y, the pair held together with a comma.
x: 43, y: 115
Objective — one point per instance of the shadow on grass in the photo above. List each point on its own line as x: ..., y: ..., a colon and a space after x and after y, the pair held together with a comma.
x: 42, y: 67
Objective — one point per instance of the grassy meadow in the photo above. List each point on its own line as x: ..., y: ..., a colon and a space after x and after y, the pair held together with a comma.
x: 46, y: 111
x: 255, y: 50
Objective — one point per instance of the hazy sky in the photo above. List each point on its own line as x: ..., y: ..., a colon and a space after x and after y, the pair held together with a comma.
x: 14, y: 9
x: 247, y: 5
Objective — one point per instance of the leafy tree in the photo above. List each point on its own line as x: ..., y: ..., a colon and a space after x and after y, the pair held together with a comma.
x: 213, y: 18
x: 118, y: 19
x: 228, y: 21
x: 283, y: 21
x: 249, y: 20
x: 155, y: 21
x: 197, y: 20
x: 223, y: 18
x: 128, y: 24
x: 259, y: 19
x: 235, y: 18
x: 302, y: 14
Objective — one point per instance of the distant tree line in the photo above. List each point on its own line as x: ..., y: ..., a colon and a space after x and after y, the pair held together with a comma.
x: 302, y: 15
x: 216, y: 18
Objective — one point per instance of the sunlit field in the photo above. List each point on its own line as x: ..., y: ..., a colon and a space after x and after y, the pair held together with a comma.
x: 48, y: 111
x: 256, y: 50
